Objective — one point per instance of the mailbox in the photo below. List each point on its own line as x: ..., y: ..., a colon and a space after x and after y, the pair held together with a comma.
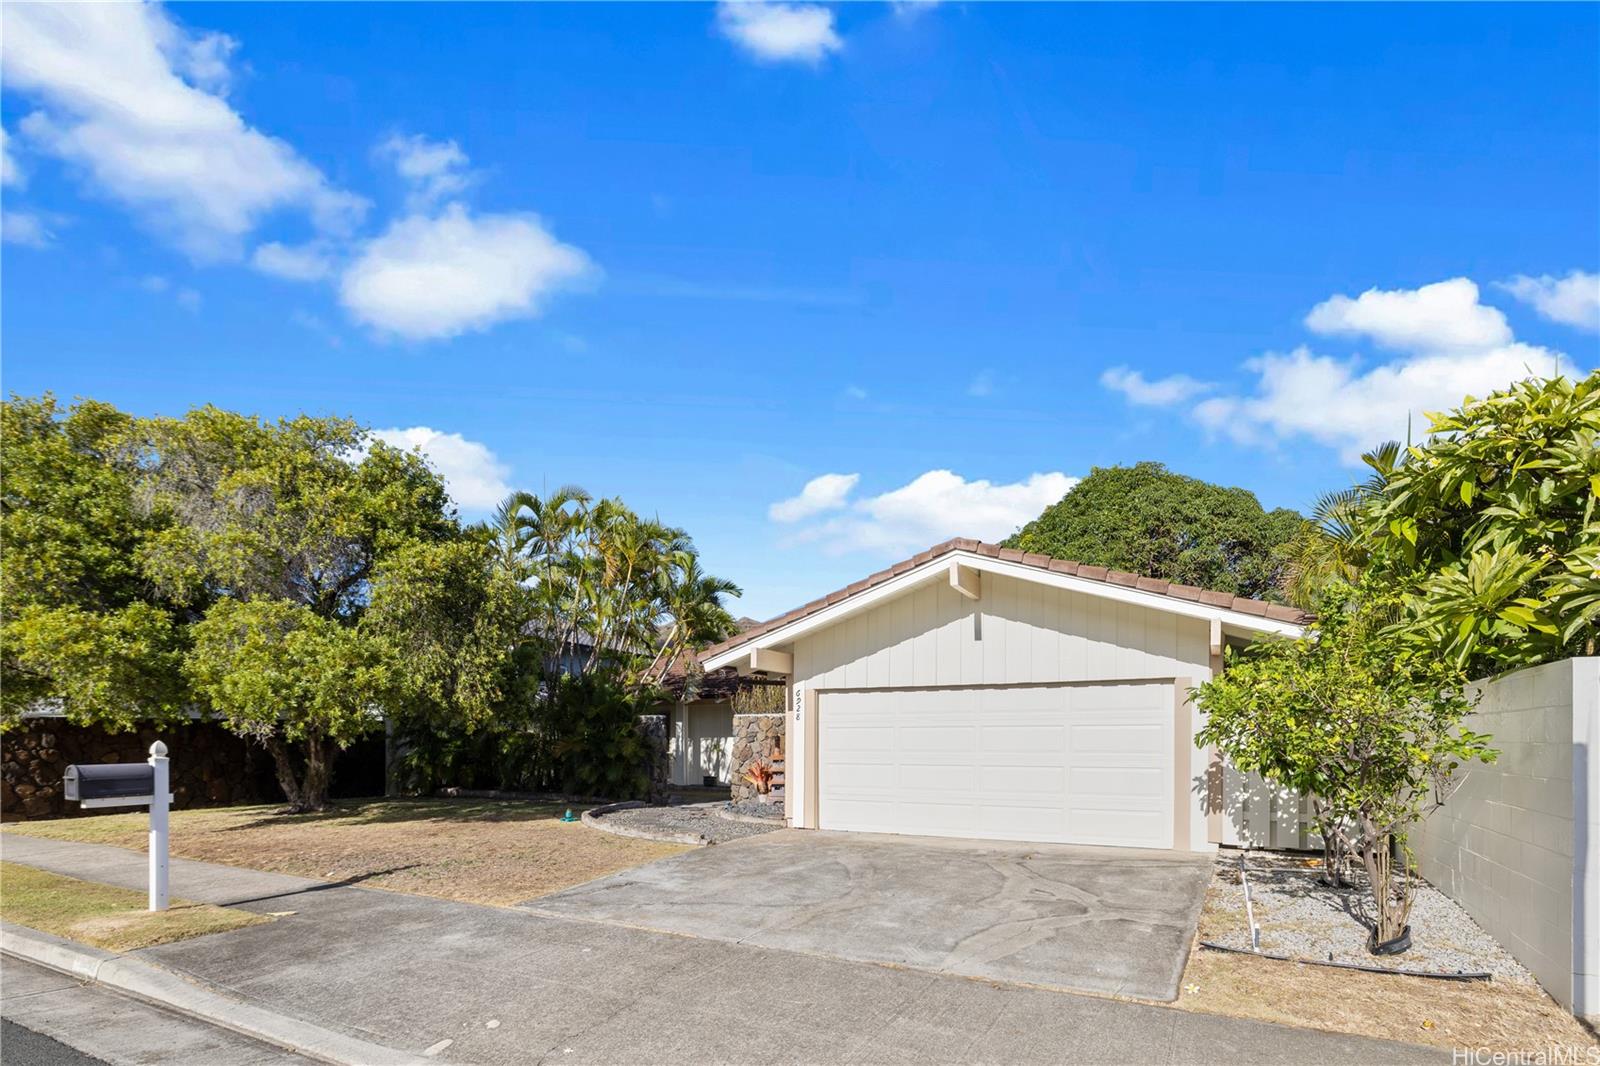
x: 118, y: 784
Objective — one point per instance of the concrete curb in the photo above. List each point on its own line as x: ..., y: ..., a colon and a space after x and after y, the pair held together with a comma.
x: 164, y: 988
x: 751, y: 819
x: 595, y: 819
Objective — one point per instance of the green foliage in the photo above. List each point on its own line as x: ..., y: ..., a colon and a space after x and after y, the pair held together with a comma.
x: 457, y: 622
x: 1150, y: 521
x: 274, y: 669
x: 597, y: 745
x: 1357, y: 717
x: 79, y: 624
x: 1492, y: 526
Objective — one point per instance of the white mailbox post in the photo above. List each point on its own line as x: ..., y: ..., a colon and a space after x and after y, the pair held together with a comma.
x: 131, y: 784
x: 159, y: 801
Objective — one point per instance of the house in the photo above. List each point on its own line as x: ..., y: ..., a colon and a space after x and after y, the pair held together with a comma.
x: 977, y: 691
x: 705, y: 717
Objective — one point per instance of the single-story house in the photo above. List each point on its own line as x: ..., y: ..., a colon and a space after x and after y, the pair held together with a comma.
x: 977, y: 691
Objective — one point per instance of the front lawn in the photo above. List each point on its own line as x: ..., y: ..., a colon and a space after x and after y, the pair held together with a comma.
x: 477, y: 851
x: 105, y: 916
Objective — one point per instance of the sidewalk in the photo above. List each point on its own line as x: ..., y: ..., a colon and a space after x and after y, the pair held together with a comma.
x: 487, y: 985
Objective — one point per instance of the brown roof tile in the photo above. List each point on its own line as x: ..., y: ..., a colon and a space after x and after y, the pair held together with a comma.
x: 1154, y: 586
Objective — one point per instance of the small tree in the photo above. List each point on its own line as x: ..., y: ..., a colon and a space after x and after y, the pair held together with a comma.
x: 282, y: 674
x: 1352, y: 714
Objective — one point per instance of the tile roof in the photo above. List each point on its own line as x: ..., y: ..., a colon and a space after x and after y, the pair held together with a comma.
x: 1223, y: 600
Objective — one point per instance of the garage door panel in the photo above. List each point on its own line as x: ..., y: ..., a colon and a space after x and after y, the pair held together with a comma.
x: 1070, y: 764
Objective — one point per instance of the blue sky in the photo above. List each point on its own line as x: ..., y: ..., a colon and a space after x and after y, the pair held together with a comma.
x: 822, y: 285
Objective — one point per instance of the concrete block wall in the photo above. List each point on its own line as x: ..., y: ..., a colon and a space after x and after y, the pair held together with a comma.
x: 1518, y: 843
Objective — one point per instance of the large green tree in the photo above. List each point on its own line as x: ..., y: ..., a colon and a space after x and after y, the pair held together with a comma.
x: 81, y: 628
x: 281, y: 526
x: 1149, y: 520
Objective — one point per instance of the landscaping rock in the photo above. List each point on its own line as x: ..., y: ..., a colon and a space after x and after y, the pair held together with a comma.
x: 756, y: 738
x: 685, y: 823
x: 1301, y: 917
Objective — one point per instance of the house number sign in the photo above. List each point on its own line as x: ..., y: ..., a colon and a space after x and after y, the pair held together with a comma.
x: 799, y: 702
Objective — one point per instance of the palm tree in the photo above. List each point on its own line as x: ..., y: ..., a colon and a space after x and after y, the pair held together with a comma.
x: 1333, y: 545
x: 693, y: 601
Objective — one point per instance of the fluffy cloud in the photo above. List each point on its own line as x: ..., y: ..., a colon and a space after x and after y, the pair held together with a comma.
x: 825, y: 493
x: 1451, y: 346
x: 981, y: 385
x: 474, y: 476
x: 25, y: 228
x: 133, y: 100
x: 1163, y: 392
x: 933, y: 507
x: 1444, y: 316
x: 1573, y: 300
x: 435, y: 170
x: 778, y: 32
x: 10, y: 173
x: 429, y: 277
x: 304, y: 262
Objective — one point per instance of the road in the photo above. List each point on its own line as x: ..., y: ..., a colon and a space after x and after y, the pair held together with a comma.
x: 50, y: 1019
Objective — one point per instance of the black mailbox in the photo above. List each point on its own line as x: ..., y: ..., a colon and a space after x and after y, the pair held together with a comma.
x: 118, y: 784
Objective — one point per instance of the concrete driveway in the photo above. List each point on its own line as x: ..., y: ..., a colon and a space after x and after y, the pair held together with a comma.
x: 1108, y: 920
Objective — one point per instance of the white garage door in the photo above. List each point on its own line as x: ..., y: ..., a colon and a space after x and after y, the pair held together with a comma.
x: 1068, y: 764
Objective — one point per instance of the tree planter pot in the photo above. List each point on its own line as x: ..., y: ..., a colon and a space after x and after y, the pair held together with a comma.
x: 1399, y: 945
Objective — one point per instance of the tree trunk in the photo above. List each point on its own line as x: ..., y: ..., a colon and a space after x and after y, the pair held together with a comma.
x: 319, y: 773
x: 308, y: 790
x: 1333, y: 851
x: 288, y: 780
x: 1391, y: 887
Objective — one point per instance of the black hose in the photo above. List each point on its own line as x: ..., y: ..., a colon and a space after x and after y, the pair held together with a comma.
x: 1459, y: 975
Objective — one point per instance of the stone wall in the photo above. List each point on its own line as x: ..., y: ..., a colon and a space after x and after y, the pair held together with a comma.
x: 757, y: 738
x: 210, y: 766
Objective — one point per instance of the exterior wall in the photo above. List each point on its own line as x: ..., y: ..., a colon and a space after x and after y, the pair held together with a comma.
x: 1016, y: 632
x: 1518, y: 843
x: 653, y: 727
x: 757, y: 738
x: 701, y: 738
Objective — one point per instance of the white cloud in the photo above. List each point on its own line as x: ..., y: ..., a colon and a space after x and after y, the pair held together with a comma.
x: 188, y: 299
x: 435, y: 170
x: 131, y: 98
x: 1444, y: 316
x: 827, y: 492
x: 1453, y: 347
x: 304, y: 262
x: 25, y: 228
x: 933, y: 507
x: 1162, y: 392
x: 474, y: 476
x: 428, y: 277
x: 1573, y: 300
x: 776, y: 32
x: 910, y: 9
x: 1336, y: 402
x: 10, y: 172
x: 855, y: 393
x: 981, y: 385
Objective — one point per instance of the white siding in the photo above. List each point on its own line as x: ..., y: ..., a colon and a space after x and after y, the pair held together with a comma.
x: 1017, y: 632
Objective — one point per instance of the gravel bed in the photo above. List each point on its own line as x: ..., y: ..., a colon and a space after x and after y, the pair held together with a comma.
x: 1301, y: 917
x: 767, y: 812
x: 700, y: 819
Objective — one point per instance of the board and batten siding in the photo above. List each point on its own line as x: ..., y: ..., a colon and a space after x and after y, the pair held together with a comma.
x: 1017, y: 632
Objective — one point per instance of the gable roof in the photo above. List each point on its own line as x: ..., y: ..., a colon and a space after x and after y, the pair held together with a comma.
x: 980, y: 551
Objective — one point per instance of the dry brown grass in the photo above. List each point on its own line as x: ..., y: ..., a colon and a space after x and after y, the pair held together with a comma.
x: 107, y: 917
x: 1448, y: 1014
x: 476, y: 851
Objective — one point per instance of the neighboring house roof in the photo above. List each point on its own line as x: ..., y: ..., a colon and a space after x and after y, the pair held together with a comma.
x: 983, y: 555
